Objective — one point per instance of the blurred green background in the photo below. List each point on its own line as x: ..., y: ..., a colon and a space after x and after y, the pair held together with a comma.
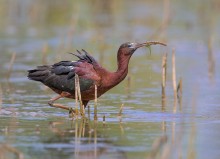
x: 36, y: 32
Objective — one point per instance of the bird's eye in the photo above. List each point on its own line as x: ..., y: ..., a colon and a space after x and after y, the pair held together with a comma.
x: 130, y: 45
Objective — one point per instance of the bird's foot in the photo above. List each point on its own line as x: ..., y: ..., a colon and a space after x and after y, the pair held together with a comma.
x: 50, y: 103
x: 72, y: 112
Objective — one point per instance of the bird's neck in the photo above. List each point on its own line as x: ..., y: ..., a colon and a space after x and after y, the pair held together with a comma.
x: 111, y: 79
x: 122, y: 70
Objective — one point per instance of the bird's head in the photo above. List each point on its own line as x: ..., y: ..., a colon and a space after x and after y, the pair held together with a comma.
x: 128, y: 48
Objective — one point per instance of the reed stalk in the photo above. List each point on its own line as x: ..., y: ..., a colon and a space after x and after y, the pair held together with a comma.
x: 95, y: 104
x: 180, y: 88
x: 76, y: 95
x: 120, y: 112
x: 103, y: 120
x: 121, y: 109
x: 174, y: 79
x: 88, y: 112
x: 164, y: 68
x: 174, y: 73
x: 180, y: 92
x: 211, y: 59
x: 82, y: 110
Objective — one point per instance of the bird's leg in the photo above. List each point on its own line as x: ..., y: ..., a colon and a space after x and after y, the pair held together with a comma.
x: 63, y: 94
x: 85, y: 102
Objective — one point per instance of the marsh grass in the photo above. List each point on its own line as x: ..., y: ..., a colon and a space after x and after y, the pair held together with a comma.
x: 76, y: 97
x: 95, y: 104
x: 211, y: 59
x: 164, y: 71
x: 103, y: 120
x: 174, y: 73
x: 174, y: 80
x: 78, y: 92
x: 180, y: 93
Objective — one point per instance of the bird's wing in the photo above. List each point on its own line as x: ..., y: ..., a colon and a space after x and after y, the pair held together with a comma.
x: 85, y: 56
x: 61, y: 75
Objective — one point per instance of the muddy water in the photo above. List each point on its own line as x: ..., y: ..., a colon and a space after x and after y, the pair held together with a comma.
x: 43, y: 32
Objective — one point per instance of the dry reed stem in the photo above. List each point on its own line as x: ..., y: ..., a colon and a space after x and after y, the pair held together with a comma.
x: 76, y: 96
x: 211, y: 59
x: 180, y: 93
x: 14, y: 150
x: 103, y: 120
x: 174, y: 73
x: 121, y: 129
x: 164, y: 128
x: 88, y: 112
x: 95, y: 104
x: 164, y: 68
x: 121, y: 109
x: 11, y: 65
x: 82, y: 110
x: 120, y: 112
x: 44, y: 54
x: 180, y: 88
x: 174, y: 80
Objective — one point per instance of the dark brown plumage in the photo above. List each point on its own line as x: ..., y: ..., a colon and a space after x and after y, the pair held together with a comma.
x: 60, y: 76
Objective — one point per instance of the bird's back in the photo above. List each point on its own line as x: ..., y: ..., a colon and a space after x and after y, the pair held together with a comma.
x: 61, y: 76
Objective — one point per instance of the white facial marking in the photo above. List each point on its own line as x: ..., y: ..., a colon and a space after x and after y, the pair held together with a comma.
x: 131, y: 45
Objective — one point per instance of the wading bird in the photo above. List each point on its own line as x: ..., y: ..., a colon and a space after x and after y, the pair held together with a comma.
x: 60, y: 77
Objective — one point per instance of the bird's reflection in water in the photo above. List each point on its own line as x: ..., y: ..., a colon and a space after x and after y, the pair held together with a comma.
x: 84, y: 140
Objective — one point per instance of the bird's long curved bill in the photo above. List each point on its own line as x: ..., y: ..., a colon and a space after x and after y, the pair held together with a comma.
x: 149, y: 43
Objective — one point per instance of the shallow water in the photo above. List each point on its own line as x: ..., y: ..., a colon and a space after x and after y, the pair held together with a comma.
x: 29, y: 128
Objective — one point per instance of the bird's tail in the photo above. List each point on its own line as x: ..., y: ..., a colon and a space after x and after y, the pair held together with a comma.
x: 39, y: 74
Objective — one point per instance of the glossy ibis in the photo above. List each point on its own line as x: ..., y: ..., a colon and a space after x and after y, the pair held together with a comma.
x: 60, y: 76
